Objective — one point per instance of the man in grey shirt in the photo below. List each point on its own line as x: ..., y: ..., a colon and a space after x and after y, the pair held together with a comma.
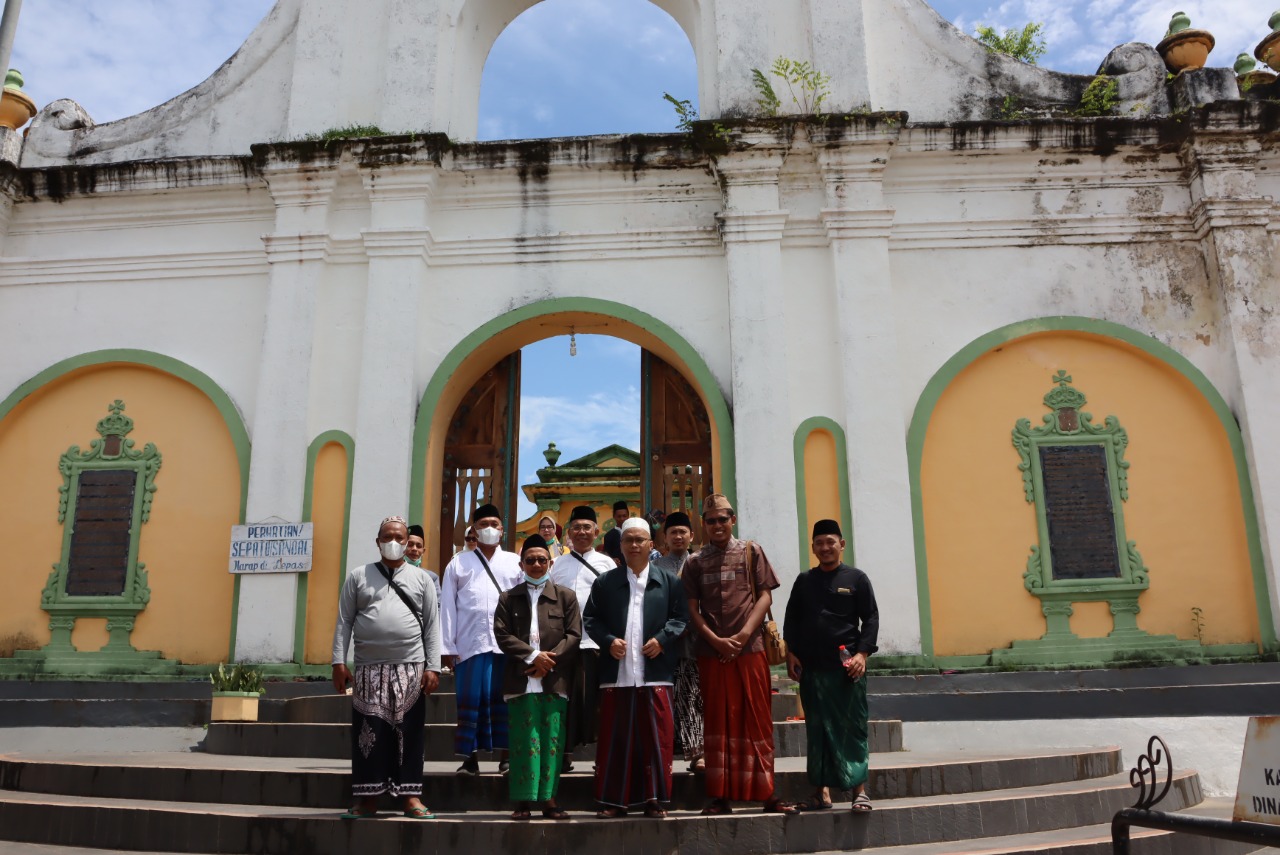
x: 390, y: 609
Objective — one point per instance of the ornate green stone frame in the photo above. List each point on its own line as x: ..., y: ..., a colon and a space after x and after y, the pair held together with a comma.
x: 113, y: 451
x: 1066, y: 425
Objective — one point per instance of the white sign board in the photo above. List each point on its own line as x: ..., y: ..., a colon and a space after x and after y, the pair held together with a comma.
x: 271, y: 548
x: 1258, y: 793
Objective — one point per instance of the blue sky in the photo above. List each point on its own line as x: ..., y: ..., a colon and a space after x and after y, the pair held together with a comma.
x: 565, y: 67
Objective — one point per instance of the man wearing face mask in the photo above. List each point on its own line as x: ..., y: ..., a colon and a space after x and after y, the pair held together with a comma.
x: 472, y: 584
x: 389, y: 608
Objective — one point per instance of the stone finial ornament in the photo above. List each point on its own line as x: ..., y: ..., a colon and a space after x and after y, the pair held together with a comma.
x: 1244, y: 64
x: 1184, y: 48
x: 552, y: 454
x: 16, y: 109
x: 1268, y: 50
x: 1179, y: 22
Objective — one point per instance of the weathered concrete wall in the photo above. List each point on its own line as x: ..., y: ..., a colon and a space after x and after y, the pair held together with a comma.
x: 980, y: 226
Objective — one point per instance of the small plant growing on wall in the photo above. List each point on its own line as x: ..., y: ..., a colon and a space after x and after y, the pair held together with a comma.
x: 1027, y: 44
x: 1197, y: 621
x: 1100, y: 97
x: 807, y: 87
x: 685, y: 114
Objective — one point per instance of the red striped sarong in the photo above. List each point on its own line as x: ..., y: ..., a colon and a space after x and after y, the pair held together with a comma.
x: 737, y: 714
x: 633, y: 756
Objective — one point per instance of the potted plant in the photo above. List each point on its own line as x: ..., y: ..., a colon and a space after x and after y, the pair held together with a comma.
x: 235, y: 693
x: 1268, y: 50
x: 1184, y: 48
x: 16, y: 109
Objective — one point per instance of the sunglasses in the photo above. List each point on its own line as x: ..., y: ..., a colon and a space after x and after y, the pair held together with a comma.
x: 716, y: 520
x: 533, y: 562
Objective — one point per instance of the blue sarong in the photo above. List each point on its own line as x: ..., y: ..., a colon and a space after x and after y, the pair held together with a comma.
x: 482, y: 714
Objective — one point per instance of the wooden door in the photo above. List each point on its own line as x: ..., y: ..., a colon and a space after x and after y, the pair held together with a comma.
x: 480, y: 454
x: 676, y: 439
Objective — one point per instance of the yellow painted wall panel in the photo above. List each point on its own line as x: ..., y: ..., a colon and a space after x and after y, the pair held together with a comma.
x: 184, y: 545
x: 1184, y: 509
x: 1091, y: 620
x: 329, y: 514
x: 821, y: 478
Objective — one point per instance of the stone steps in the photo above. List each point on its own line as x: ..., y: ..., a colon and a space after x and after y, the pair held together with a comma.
x: 170, y: 826
x: 315, y: 783
x: 284, y: 739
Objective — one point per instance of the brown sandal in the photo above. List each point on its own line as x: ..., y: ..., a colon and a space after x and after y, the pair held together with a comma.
x: 653, y: 811
x: 554, y: 812
x: 779, y: 806
x: 611, y: 813
x: 717, y: 807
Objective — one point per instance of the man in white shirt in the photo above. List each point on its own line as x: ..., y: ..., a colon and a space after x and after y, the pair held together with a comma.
x: 578, y: 570
x: 473, y: 581
x: 637, y: 614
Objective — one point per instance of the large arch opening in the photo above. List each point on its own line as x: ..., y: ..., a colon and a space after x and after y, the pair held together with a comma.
x: 571, y: 68
x: 475, y: 357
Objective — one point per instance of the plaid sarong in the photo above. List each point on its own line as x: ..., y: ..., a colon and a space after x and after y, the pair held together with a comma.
x: 482, y: 714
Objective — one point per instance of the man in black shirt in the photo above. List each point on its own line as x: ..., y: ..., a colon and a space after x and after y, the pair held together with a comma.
x: 830, y: 629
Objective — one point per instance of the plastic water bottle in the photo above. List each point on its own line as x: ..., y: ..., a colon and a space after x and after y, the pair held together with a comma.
x: 845, y: 656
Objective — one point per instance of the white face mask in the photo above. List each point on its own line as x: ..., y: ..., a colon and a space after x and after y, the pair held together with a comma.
x: 489, y: 536
x: 391, y: 550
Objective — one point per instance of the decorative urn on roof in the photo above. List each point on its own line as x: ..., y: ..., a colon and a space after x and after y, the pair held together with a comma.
x: 1184, y: 48
x: 1268, y: 50
x: 1248, y: 75
x: 16, y: 109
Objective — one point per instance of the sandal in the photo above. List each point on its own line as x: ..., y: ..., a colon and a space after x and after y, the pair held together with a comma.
x: 356, y: 813
x: 420, y: 812
x: 653, y: 811
x: 554, y: 812
x: 811, y: 804
x: 698, y: 766
x: 717, y: 807
x: 779, y: 806
x: 521, y: 813
x: 861, y: 803
x: 611, y: 813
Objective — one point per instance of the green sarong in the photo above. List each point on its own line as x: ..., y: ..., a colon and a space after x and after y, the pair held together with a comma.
x: 536, y: 724
x: 835, y: 722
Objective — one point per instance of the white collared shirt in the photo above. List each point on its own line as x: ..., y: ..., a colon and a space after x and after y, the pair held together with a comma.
x: 631, y: 667
x: 568, y: 572
x: 468, y: 600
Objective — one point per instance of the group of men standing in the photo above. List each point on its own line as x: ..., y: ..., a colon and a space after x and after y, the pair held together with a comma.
x: 554, y: 653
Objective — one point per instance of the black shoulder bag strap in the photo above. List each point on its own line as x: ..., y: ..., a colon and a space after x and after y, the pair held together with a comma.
x: 492, y: 579
x: 386, y: 574
x: 585, y: 563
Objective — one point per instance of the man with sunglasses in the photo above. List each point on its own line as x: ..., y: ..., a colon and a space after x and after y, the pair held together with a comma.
x: 728, y: 584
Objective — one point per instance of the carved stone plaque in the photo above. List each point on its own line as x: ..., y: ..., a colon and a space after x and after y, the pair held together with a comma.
x: 1082, y: 526
x: 98, y: 563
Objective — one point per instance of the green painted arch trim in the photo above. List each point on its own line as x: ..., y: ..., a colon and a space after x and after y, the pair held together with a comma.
x: 313, y: 452
x: 832, y: 427
x: 702, y: 378
x: 215, y: 393
x: 1067, y: 323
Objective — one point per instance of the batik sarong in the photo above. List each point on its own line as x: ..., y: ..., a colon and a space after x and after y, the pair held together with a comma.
x: 737, y: 712
x: 688, y: 704
x: 537, y: 732
x: 584, y: 701
x: 482, y: 714
x: 835, y: 724
x: 388, y: 730
x: 633, y: 758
